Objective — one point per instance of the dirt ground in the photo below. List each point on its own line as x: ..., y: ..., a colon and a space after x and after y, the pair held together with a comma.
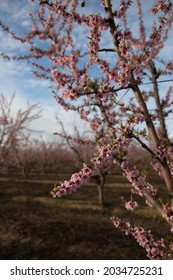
x: 33, y: 225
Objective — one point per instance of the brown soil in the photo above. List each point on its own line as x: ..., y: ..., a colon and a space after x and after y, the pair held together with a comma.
x: 33, y: 225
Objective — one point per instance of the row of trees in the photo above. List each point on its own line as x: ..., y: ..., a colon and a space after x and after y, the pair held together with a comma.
x: 103, y: 80
x: 19, y: 150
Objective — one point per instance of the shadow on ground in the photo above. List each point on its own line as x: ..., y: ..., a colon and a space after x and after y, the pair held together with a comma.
x: 33, y: 225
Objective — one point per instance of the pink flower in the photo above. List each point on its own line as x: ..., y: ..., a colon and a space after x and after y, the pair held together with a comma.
x: 131, y: 205
x: 75, y: 178
x: 86, y: 170
x: 116, y: 222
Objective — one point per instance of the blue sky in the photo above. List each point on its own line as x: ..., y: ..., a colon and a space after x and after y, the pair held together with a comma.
x: 17, y: 77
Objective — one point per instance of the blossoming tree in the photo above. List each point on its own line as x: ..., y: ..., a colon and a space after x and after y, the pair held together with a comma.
x: 110, y: 74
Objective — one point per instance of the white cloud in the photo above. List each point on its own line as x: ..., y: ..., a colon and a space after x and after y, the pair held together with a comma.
x: 26, y: 23
x: 16, y: 10
x: 33, y: 83
x: 9, y: 45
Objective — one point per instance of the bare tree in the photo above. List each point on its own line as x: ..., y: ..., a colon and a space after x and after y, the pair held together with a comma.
x: 13, y: 129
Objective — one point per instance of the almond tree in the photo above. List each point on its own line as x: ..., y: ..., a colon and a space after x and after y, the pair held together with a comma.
x: 99, y: 67
x: 13, y: 129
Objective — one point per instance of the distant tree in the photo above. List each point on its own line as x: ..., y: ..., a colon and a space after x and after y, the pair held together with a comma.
x: 26, y: 155
x: 14, y: 130
x: 52, y: 155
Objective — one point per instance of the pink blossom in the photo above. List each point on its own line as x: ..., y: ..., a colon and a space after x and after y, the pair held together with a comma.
x: 75, y: 182
x: 131, y: 205
x: 155, y: 249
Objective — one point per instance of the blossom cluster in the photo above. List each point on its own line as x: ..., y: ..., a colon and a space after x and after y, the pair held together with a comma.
x: 109, y: 151
x: 161, y: 6
x: 67, y: 187
x: 124, y: 5
x: 167, y: 213
x: 155, y: 249
x: 138, y: 181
